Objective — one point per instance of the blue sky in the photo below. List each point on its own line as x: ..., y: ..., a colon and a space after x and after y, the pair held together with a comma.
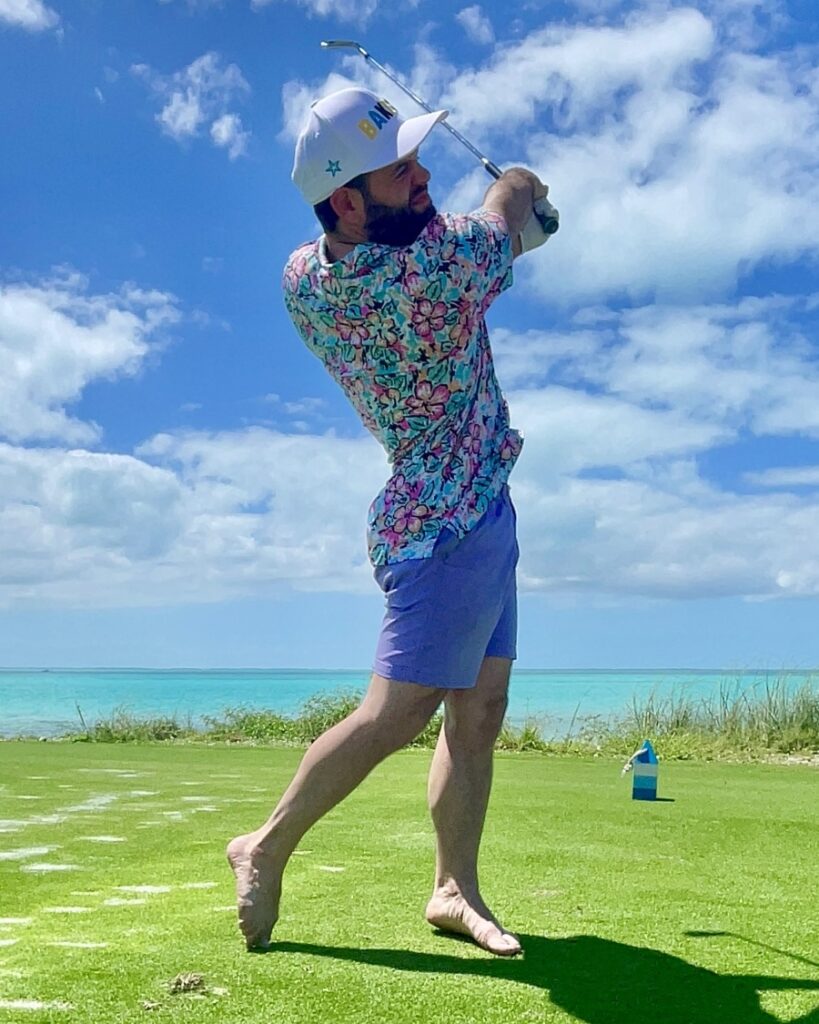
x: 181, y: 483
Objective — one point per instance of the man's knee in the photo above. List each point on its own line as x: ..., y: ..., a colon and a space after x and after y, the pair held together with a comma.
x: 476, y: 722
x: 395, y: 722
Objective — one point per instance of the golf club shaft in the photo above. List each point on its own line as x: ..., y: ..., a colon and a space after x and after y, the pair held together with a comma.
x: 349, y: 44
x: 548, y: 220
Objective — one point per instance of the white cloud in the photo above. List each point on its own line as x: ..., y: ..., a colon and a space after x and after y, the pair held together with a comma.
x: 678, y: 162
x: 359, y: 11
x: 627, y: 537
x: 87, y: 519
x: 786, y: 477
x: 227, y: 133
x: 199, y: 96
x: 55, y: 338
x: 193, y: 517
x: 297, y: 97
x: 616, y: 410
x: 32, y: 15
x: 476, y: 24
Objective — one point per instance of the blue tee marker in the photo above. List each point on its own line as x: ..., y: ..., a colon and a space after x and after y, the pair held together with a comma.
x: 644, y: 786
x: 643, y: 763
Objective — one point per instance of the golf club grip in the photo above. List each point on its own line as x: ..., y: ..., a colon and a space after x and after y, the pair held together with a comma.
x: 546, y: 218
x: 549, y: 223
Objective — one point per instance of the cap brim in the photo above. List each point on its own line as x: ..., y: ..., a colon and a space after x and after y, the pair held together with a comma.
x: 409, y: 137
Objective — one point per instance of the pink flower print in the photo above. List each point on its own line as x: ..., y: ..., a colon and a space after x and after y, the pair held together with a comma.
x: 509, y: 449
x: 428, y: 318
x: 350, y: 330
x: 410, y: 518
x: 473, y: 440
x: 397, y: 486
x: 462, y: 331
x: 386, y: 330
x: 391, y: 407
x: 294, y: 272
x: 412, y: 280
x: 428, y: 401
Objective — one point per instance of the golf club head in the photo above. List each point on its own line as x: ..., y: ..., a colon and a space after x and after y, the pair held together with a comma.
x: 342, y: 44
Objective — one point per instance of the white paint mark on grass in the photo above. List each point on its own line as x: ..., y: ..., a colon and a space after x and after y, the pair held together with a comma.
x: 143, y: 888
x: 12, y: 825
x: 44, y: 866
x: 25, y: 852
x: 143, y: 792
x: 8, y: 942
x: 191, y: 783
x: 47, y: 819
x: 80, y: 945
x: 23, y: 796
x: 102, y: 839
x: 86, y: 892
x: 302, y: 853
x: 65, y: 785
x: 199, y: 799
x: 199, y: 885
x: 329, y: 867
x: 117, y: 901
x: 67, y: 910
x: 93, y: 803
x: 220, y: 910
x: 125, y: 773
x: 16, y: 920
x: 38, y: 778
x: 205, y: 809
x: 33, y: 1004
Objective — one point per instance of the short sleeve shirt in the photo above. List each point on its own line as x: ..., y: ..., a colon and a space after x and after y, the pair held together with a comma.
x: 402, y: 331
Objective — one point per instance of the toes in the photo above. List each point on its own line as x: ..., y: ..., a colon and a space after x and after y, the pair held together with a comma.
x: 505, y: 945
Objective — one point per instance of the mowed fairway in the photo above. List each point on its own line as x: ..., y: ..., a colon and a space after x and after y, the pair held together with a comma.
x: 113, y: 882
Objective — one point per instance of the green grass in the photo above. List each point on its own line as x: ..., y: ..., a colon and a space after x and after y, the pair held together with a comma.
x: 607, y: 893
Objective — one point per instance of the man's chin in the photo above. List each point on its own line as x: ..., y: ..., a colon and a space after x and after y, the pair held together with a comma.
x: 400, y: 228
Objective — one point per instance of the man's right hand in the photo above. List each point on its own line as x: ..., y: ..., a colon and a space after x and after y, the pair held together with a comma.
x: 513, y: 196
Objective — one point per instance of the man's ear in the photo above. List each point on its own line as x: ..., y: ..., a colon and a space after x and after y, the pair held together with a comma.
x: 348, y: 206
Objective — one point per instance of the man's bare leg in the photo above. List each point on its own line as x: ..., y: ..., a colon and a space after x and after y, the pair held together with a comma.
x: 459, y: 784
x: 390, y: 716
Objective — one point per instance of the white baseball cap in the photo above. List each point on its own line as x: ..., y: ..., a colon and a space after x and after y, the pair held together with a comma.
x: 352, y: 132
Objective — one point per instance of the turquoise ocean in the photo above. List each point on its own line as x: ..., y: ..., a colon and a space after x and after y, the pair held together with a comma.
x: 45, y: 702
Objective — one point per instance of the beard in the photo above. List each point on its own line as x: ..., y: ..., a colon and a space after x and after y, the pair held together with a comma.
x: 390, y: 225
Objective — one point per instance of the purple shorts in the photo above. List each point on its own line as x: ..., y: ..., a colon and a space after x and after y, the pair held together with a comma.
x: 448, y: 612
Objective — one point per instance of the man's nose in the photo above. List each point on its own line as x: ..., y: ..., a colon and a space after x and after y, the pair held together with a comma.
x: 421, y: 175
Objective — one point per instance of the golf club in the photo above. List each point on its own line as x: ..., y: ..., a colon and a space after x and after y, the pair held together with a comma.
x: 544, y: 211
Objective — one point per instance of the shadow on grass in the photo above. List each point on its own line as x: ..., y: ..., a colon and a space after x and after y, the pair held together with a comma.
x: 596, y: 980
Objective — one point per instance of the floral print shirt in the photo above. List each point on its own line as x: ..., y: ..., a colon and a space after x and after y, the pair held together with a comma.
x: 402, y: 330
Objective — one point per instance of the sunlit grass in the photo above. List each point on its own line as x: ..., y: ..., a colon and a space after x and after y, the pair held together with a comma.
x: 676, y: 911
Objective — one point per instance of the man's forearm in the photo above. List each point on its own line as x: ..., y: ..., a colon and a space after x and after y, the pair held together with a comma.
x: 513, y: 197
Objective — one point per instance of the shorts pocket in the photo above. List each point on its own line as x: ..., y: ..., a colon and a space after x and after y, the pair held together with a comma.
x: 453, y: 551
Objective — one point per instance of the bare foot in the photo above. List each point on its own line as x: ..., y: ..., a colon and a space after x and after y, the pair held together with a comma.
x: 258, y: 889
x: 449, y: 911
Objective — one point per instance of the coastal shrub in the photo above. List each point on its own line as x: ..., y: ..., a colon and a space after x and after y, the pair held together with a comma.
x: 242, y: 723
x: 123, y: 726
x: 773, y: 719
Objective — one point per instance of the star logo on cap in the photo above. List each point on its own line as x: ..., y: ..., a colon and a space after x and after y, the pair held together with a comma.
x: 333, y: 167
